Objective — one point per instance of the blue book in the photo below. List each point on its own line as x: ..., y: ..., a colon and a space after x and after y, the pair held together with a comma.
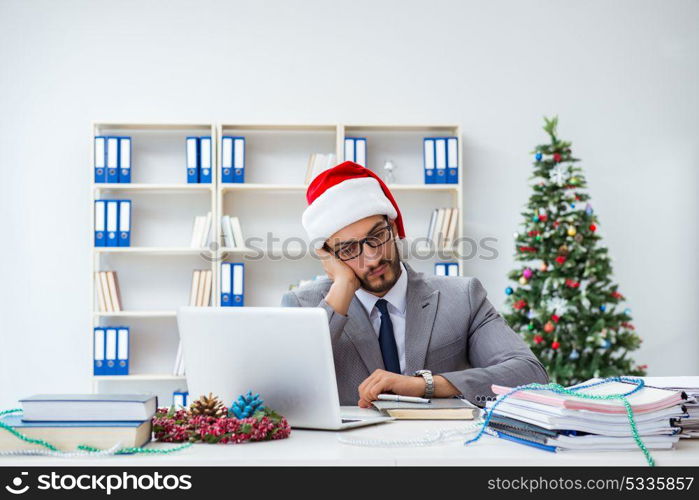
x: 122, y: 367
x: 88, y: 407
x: 239, y: 160
x: 205, y: 160
x: 98, y: 351
x: 440, y: 160
x: 226, y: 276
x: 125, y: 159
x: 452, y: 160
x: 428, y: 156
x: 112, y: 159
x: 112, y: 223
x: 192, y: 160
x: 238, y: 284
x: 100, y: 158
x: 227, y: 159
x: 124, y: 223
x: 100, y: 223
x: 519, y: 440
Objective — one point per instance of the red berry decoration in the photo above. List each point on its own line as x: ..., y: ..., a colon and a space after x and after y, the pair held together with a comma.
x: 555, y: 344
x: 593, y: 228
x: 543, y: 217
x: 556, y: 157
x: 520, y: 304
x: 560, y: 259
x: 556, y: 223
x: 538, y: 339
x: 555, y: 317
x: 548, y: 327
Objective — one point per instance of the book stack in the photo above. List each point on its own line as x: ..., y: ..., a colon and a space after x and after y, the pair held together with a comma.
x: 690, y: 386
x: 68, y: 420
x: 442, y: 228
x: 318, y: 163
x: 436, y: 409
x: 108, y: 293
x: 232, y: 232
x: 201, y: 232
x: 557, y: 422
x: 200, y: 294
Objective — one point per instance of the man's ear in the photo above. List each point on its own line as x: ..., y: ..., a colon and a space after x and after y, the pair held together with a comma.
x: 394, y: 228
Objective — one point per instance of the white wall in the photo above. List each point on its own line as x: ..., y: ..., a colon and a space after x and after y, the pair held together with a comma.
x: 623, y: 76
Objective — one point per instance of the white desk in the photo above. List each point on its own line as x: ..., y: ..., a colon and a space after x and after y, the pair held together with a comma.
x: 305, y: 447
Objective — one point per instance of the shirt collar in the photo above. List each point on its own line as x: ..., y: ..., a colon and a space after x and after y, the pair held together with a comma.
x: 396, y: 296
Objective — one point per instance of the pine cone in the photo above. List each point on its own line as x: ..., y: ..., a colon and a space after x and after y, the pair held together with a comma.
x: 208, y: 406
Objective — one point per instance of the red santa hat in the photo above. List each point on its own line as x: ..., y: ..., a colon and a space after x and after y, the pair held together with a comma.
x: 345, y: 194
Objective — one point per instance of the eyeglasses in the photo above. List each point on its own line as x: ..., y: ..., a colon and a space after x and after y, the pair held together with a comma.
x: 353, y: 249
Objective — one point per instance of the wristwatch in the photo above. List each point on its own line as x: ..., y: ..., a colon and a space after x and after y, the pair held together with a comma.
x: 429, y: 382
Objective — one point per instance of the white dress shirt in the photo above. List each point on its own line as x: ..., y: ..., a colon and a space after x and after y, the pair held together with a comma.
x: 397, y: 301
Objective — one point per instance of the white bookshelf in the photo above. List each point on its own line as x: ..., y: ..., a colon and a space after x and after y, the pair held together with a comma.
x: 271, y: 200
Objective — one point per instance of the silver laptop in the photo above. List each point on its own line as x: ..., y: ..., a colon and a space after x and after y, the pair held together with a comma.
x: 282, y: 353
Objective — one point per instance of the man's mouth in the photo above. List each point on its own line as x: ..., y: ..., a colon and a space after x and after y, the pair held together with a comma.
x: 379, y: 271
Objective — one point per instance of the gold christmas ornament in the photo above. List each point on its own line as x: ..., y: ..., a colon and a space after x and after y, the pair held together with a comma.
x: 208, y: 406
x: 523, y: 281
x: 571, y: 231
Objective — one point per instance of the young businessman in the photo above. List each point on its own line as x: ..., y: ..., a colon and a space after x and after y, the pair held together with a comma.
x: 392, y: 329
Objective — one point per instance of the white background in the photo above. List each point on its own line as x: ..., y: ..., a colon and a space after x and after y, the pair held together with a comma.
x: 622, y: 76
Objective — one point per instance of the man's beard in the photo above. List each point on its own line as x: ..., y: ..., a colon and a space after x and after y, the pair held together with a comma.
x: 384, y: 284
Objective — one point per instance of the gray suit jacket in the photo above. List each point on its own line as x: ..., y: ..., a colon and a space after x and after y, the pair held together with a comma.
x: 450, y: 328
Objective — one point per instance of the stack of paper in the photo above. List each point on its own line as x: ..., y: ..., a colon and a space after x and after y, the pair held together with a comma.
x: 690, y: 386
x: 554, y: 422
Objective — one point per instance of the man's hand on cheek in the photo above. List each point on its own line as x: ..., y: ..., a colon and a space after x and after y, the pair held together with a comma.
x: 382, y: 381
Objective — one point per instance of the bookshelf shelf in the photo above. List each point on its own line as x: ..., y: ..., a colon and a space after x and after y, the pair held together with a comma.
x: 156, y: 272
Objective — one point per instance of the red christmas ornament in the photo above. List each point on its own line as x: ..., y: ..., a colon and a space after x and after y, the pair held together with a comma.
x: 628, y: 325
x: 556, y: 157
x: 533, y: 233
x: 617, y: 295
x: 555, y: 344
x: 572, y: 284
x: 560, y: 259
x: 556, y: 223
x: 593, y: 228
x: 527, y: 249
x: 555, y: 317
x: 520, y: 304
x: 548, y: 327
x: 543, y: 217
x: 538, y: 339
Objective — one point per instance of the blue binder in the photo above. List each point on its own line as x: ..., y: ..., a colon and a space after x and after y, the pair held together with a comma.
x: 237, y: 284
x: 452, y: 160
x: 360, y: 151
x: 125, y: 159
x: 112, y: 223
x: 226, y: 276
x: 100, y: 223
x: 227, y: 159
x: 239, y: 160
x: 452, y: 269
x: 349, y: 149
x: 192, y: 160
x: 428, y: 155
x: 110, y: 351
x: 99, y: 343
x: 440, y: 269
x: 440, y: 159
x: 112, y: 159
x: 100, y: 158
x: 124, y: 223
x: 122, y: 365
x: 180, y: 399
x: 205, y: 160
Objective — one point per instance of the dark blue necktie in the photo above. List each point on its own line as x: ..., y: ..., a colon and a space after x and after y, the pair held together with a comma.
x: 389, y: 351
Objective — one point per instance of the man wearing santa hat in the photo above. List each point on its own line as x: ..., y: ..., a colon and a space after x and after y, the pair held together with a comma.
x: 394, y: 330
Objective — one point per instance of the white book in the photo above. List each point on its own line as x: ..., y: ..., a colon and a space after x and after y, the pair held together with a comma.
x: 104, y: 286
x: 237, y: 232
x: 437, y: 236
x: 445, y: 225
x: 195, y: 288
x: 196, y: 231
x: 206, y: 297
x: 206, y: 231
x: 200, y: 288
x: 433, y: 221
x: 101, y: 298
x: 451, y: 232
x: 228, y: 240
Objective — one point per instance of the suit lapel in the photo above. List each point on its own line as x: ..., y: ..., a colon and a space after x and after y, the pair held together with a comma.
x: 362, y: 335
x: 421, y: 309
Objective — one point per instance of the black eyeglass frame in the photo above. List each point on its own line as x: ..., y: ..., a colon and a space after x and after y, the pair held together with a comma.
x: 361, y: 242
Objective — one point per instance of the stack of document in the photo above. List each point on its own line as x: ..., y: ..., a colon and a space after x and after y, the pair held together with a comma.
x: 556, y: 422
x: 690, y: 386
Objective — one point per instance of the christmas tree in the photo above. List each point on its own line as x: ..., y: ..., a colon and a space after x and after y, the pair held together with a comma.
x: 565, y: 304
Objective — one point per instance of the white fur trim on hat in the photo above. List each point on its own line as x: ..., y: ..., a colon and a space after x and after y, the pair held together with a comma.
x: 343, y: 204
